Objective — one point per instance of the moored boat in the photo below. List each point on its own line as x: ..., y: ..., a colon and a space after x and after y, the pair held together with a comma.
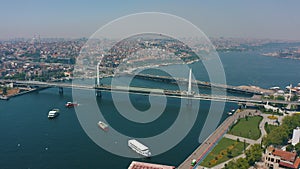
x: 229, y: 113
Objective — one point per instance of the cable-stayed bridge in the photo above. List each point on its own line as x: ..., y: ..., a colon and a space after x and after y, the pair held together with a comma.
x: 98, y: 88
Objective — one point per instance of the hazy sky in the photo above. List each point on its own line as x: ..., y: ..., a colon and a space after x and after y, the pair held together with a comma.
x: 231, y: 18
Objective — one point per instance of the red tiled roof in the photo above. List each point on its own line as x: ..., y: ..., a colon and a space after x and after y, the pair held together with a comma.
x: 141, y: 165
x: 286, y: 164
x: 285, y: 155
x: 297, y: 163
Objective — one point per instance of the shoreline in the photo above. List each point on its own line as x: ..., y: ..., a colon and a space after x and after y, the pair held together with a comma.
x: 139, y: 68
x: 22, y: 93
x: 276, y: 56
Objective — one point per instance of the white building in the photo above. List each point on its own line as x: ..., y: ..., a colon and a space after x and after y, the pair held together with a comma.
x: 9, y: 85
x: 279, y: 159
x: 272, y: 108
x: 296, y: 136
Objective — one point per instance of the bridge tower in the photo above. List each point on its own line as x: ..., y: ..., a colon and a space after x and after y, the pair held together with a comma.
x: 98, y: 92
x: 190, y: 83
x: 98, y: 75
x: 189, y: 92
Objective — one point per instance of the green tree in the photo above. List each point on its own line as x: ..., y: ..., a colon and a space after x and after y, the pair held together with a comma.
x: 231, y: 165
x: 291, y: 122
x: 4, y: 91
x: 253, y: 154
x: 297, y: 148
x: 240, y: 163
x: 280, y: 98
x: 294, y: 98
x: 229, y: 153
x: 280, y: 134
x: 245, y: 145
x: 289, y: 147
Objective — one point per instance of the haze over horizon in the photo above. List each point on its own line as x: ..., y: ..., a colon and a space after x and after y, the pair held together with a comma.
x: 237, y: 19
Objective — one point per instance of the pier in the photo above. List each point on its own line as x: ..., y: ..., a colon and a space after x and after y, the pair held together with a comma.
x: 229, y: 88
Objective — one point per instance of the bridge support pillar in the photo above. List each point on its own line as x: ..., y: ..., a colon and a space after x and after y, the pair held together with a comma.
x: 60, y: 90
x: 189, y: 102
x: 98, y: 93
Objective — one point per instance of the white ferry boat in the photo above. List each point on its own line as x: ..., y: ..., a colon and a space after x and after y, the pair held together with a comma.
x: 53, y: 113
x: 139, y: 148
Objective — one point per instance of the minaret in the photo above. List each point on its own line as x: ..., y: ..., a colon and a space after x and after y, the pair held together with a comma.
x: 190, y: 83
x: 290, y: 92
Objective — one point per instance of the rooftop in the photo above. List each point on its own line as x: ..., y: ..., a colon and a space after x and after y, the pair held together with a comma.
x: 142, y: 165
x: 285, y: 155
x: 294, y: 165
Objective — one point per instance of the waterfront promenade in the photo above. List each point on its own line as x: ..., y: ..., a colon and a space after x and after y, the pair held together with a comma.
x: 249, y: 141
x: 203, y: 150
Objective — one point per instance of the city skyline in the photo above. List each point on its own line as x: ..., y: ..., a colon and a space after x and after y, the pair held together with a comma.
x: 138, y: 84
x: 255, y: 19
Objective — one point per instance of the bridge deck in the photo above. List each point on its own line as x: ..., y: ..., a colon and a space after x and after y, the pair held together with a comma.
x: 157, y: 92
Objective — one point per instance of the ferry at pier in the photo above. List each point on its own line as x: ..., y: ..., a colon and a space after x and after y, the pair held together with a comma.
x: 71, y: 104
x: 231, y: 112
x: 139, y: 148
x: 103, y: 125
x: 53, y: 113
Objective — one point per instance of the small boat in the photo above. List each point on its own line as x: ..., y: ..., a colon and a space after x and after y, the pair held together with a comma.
x: 103, y: 125
x: 4, y: 97
x: 229, y: 113
x: 53, y: 113
x: 71, y: 104
x: 139, y: 148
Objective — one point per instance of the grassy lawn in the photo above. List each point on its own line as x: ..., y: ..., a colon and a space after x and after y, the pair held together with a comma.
x: 220, y: 152
x: 247, y: 128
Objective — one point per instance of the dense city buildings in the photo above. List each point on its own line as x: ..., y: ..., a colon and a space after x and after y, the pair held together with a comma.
x: 48, y: 59
x: 38, y: 60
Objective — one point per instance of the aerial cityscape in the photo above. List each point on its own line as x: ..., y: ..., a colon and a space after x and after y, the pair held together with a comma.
x: 114, y: 85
